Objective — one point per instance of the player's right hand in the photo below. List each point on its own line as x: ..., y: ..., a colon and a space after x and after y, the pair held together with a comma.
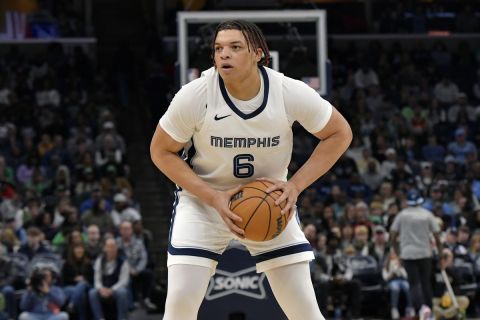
x: 221, y: 202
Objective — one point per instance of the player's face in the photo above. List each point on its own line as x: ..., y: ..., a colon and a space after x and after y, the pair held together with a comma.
x: 233, y: 58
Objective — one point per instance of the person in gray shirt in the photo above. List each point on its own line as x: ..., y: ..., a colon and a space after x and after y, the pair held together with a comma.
x: 411, y: 238
x: 134, y: 250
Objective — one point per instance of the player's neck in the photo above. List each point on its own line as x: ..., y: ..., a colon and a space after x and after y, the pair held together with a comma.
x: 245, y: 89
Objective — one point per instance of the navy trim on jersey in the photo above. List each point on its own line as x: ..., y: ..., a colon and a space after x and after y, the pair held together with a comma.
x: 283, y: 252
x: 188, y: 156
x: 266, y: 86
x: 174, y: 212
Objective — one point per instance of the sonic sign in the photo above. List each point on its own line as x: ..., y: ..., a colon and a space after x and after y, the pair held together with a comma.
x: 236, y: 289
x: 244, y: 282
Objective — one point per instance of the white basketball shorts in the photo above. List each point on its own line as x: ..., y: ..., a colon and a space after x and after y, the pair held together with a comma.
x: 198, y: 236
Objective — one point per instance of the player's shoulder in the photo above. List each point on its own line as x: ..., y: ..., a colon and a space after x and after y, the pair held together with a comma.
x: 295, y: 84
x: 274, y: 75
x: 287, y: 83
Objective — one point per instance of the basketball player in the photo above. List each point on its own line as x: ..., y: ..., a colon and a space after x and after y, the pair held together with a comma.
x: 234, y: 123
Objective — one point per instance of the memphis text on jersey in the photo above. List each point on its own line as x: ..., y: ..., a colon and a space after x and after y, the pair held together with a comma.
x: 231, y: 142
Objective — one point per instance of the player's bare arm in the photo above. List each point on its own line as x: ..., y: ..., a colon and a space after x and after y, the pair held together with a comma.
x: 164, y: 153
x: 335, y: 138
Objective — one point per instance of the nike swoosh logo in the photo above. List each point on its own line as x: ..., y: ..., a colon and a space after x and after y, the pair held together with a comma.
x: 220, y: 118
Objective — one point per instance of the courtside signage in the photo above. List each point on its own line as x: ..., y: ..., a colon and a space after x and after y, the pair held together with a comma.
x: 244, y: 282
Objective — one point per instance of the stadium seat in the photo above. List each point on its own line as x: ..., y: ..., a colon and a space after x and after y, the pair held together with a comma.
x: 466, y: 270
x: 366, y: 271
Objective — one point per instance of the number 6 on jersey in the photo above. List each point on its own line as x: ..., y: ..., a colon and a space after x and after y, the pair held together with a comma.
x: 241, y: 166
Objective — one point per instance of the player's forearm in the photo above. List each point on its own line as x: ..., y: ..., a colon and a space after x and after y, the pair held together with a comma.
x: 322, y: 159
x: 179, y: 172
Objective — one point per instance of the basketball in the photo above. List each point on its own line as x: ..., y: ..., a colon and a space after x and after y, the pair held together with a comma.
x: 262, y: 219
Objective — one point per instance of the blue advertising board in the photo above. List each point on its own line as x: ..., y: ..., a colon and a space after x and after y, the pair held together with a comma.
x: 236, y: 291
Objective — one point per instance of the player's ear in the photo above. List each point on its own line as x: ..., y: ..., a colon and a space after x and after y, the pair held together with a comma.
x: 260, y: 54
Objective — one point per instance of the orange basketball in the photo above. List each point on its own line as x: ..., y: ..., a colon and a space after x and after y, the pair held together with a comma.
x: 262, y: 219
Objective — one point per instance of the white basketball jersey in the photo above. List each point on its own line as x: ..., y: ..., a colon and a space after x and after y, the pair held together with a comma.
x: 234, y: 148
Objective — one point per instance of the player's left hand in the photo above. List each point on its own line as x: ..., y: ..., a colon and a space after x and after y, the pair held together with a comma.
x: 289, y: 193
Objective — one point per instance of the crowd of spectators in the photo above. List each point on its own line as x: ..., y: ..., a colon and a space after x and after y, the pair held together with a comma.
x: 68, y: 16
x: 387, y: 16
x: 57, y: 19
x: 416, y: 17
x: 414, y: 113
x: 71, y: 232
x: 42, y: 19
